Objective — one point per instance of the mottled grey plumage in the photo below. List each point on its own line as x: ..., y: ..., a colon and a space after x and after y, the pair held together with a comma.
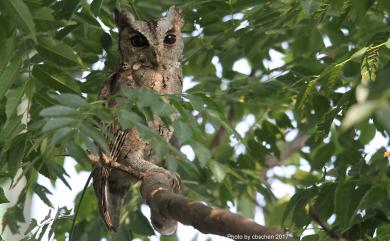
x: 150, y: 54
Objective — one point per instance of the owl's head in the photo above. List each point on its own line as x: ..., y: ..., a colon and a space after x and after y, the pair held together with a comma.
x: 153, y: 43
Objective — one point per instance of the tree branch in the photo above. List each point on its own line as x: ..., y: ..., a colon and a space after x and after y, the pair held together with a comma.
x: 291, y: 147
x: 328, y: 229
x: 159, y: 189
x: 218, y: 137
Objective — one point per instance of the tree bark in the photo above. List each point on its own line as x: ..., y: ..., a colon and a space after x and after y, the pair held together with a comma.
x: 159, y: 189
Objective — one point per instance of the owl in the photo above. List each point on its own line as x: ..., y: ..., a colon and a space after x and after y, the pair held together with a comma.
x: 150, y: 54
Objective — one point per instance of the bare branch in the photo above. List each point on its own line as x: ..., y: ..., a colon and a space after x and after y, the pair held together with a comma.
x: 159, y: 189
x: 218, y: 137
x: 291, y: 147
x: 328, y: 229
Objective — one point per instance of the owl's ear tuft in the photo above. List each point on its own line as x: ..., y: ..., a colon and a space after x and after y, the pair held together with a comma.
x: 123, y: 18
x: 177, y: 15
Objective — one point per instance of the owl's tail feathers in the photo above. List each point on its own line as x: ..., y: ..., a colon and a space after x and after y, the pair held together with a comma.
x: 110, y: 198
x: 115, y: 197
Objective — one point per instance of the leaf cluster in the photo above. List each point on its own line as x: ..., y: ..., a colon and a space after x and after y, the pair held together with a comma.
x: 316, y: 68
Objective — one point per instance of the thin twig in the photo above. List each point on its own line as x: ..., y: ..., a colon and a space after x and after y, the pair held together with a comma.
x: 221, y: 131
x: 290, y: 148
x: 78, y: 206
x: 218, y: 137
x: 328, y: 229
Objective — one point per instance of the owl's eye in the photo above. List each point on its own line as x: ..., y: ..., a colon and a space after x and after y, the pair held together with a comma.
x: 170, y: 39
x: 139, y: 41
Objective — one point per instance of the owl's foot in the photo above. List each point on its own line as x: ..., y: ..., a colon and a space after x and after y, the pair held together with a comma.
x: 156, y: 180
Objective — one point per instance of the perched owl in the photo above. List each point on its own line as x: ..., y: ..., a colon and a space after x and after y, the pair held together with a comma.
x: 150, y: 54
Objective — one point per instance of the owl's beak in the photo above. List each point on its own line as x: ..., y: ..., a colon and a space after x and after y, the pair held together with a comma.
x: 155, y: 60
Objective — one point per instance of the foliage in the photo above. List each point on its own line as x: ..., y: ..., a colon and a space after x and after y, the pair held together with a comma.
x: 332, y: 88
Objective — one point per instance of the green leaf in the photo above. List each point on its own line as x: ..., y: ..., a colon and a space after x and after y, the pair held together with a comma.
x: 45, y: 20
x: 306, y: 6
x: 77, y: 153
x: 372, y: 197
x: 147, y: 98
x: 311, y: 237
x: 123, y: 234
x: 182, y: 131
x: 369, y: 65
x: 358, y: 113
x: 127, y: 118
x: 6, y: 51
x: 14, y: 97
x: 12, y: 217
x: 305, y: 94
x: 367, y: 132
x: 296, y: 206
x: 65, y: 9
x: 383, y: 232
x: 96, y: 5
x: 11, y: 129
x: 32, y: 225
x: 17, y: 152
x: 58, y: 52
x: 383, y: 115
x: 57, y: 110
x: 43, y: 231
x: 171, y: 163
x: 246, y: 206
x: 54, y: 123
x: 333, y: 76
x: 225, y: 123
x: 218, y: 170
x: 3, y: 198
x: 95, y: 135
x: 358, y: 54
x: 55, y: 79
x: 300, y: 216
x: 10, y: 73
x: 71, y: 100
x: 322, y: 155
x: 324, y: 204
x: 196, y: 102
x: 60, y: 134
x: 347, y: 198
x: 388, y: 43
x: 57, y: 171
x: 21, y: 13
x: 42, y: 191
x: 140, y: 224
x: 202, y: 153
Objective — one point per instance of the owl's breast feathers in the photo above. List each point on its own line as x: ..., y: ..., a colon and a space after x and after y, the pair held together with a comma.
x: 166, y: 79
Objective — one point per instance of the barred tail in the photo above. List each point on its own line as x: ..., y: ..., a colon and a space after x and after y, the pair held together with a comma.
x: 110, y: 198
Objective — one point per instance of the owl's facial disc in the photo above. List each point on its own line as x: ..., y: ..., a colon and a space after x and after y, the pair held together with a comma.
x: 152, y: 43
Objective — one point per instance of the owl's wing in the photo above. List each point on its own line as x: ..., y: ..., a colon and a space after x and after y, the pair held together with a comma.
x: 110, y: 195
x: 100, y: 184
